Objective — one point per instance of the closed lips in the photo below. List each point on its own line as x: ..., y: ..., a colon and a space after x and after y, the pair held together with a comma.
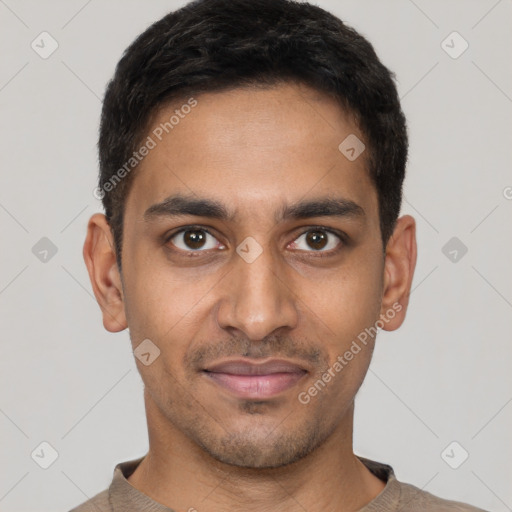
x: 240, y: 367
x: 255, y: 381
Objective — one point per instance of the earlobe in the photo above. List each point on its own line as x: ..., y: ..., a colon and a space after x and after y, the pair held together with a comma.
x: 399, y: 267
x: 100, y: 259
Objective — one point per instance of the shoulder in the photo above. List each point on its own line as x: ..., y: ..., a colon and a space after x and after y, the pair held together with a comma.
x: 413, y: 499
x: 98, y: 503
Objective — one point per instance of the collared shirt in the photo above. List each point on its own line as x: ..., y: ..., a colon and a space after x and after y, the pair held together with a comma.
x: 122, y: 496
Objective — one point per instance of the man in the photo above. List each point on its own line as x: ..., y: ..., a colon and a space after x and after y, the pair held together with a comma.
x: 252, y: 154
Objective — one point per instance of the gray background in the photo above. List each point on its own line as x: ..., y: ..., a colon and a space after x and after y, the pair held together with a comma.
x: 444, y: 376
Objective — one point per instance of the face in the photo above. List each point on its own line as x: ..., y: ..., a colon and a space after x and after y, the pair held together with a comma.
x: 252, y: 261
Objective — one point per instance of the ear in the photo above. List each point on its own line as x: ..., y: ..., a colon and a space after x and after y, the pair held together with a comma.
x: 100, y: 259
x: 398, y: 273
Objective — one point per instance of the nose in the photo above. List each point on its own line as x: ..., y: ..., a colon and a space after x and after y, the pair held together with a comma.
x: 257, y: 297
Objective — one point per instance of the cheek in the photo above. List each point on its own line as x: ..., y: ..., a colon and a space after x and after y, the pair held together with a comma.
x: 159, y: 302
x: 346, y: 310
x: 174, y: 312
x: 346, y: 303
x: 160, y: 309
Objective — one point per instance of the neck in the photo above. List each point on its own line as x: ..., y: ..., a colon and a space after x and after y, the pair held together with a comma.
x: 182, y: 476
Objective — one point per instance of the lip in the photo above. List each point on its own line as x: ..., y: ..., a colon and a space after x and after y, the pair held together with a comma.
x: 257, y: 380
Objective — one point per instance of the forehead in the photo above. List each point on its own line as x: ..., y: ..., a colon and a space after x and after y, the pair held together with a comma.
x: 252, y: 148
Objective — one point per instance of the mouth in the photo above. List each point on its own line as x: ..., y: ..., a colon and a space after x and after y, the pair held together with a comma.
x: 245, y: 378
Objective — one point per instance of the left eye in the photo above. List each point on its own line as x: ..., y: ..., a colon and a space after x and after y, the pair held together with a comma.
x: 319, y: 240
x: 194, y: 240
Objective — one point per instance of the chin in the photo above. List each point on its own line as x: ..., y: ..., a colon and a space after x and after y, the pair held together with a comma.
x: 267, y: 451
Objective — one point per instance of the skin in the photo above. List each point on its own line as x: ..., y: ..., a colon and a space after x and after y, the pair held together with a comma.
x: 255, y: 151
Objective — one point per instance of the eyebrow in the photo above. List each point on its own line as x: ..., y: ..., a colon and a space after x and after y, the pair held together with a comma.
x: 179, y: 205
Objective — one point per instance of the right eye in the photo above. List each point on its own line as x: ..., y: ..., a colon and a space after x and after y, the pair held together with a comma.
x: 194, y: 239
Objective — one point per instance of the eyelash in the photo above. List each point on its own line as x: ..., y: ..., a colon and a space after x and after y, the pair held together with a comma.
x: 343, y: 238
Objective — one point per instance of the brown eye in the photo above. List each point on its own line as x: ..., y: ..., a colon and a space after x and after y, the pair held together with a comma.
x: 316, y: 239
x: 194, y: 239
